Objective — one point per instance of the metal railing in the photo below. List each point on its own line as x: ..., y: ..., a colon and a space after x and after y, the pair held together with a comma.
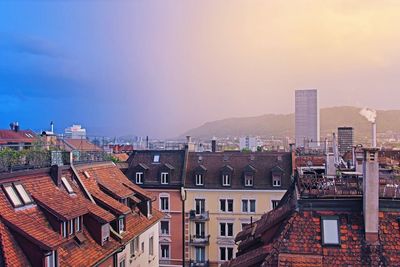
x: 199, y: 239
x: 204, y: 216
x: 199, y: 263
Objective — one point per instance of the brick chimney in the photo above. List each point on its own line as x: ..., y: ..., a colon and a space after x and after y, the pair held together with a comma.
x: 55, y: 173
x: 371, y: 194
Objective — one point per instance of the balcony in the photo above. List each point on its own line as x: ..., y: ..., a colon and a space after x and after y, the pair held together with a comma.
x: 199, y: 240
x: 199, y: 263
x: 198, y: 217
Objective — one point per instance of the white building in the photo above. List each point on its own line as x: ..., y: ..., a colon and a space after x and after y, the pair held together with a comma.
x: 75, y: 132
x: 307, y: 118
x: 248, y: 143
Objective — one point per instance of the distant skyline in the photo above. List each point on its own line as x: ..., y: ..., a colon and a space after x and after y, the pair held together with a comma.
x: 159, y: 68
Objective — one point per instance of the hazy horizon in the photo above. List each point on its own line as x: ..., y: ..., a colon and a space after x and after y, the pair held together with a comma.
x: 160, y: 68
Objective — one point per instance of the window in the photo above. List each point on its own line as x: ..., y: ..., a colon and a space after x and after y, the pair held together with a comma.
x: 139, y: 177
x: 142, y: 247
x: 105, y: 232
x: 64, y: 232
x: 225, y: 253
x: 156, y: 158
x: 86, y: 174
x: 200, y: 254
x: 164, y: 251
x: 50, y: 259
x: 226, y: 180
x: 164, y: 203
x: 248, y: 180
x: 151, y: 246
x: 122, y: 263
x: 275, y: 203
x: 67, y: 185
x: 226, y: 229
x: 23, y: 194
x: 78, y: 224
x: 165, y: 227
x: 248, y: 205
x: 149, y: 210
x: 226, y: 205
x: 330, y: 230
x: 134, y: 246
x: 164, y: 178
x: 12, y: 196
x: 199, y: 179
x: 200, y: 233
x: 71, y: 226
x: 121, y: 225
x: 200, y: 206
x: 276, y: 180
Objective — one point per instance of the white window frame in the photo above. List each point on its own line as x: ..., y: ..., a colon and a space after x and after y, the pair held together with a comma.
x: 247, y: 205
x: 247, y: 178
x: 121, y: 225
x: 78, y: 224
x: 226, y: 179
x: 67, y: 186
x: 139, y: 177
x: 226, y: 234
x: 226, y: 201
x: 274, y: 201
x: 168, y: 228
x: 328, y: 228
x: 164, y: 177
x: 134, y: 250
x: 168, y: 249
x: 162, y: 199
x: 64, y: 229
x: 51, y: 259
x: 199, y: 179
x: 24, y: 196
x: 226, y: 253
x: 276, y: 180
x: 202, y: 254
x: 201, y: 200
x: 202, y: 226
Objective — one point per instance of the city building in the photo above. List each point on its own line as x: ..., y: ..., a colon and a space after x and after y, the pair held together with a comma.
x: 75, y: 132
x: 225, y: 191
x: 307, y: 124
x: 82, y: 215
x: 345, y: 139
x: 350, y: 220
x: 161, y: 173
x: 248, y: 143
x: 17, y: 139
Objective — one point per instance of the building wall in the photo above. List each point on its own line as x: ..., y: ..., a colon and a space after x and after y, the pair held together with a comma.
x: 237, y: 217
x: 307, y: 117
x: 143, y: 259
x: 174, y: 217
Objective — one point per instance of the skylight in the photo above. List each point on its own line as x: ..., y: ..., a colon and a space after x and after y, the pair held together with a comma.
x: 12, y: 196
x: 156, y: 158
x: 330, y: 227
x: 67, y: 185
x: 86, y: 174
x: 23, y: 194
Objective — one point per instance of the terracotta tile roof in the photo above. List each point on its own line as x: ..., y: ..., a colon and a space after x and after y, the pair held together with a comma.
x: 304, y: 161
x: 121, y: 156
x: 79, y: 144
x: 22, y: 136
x: 11, y: 252
x: 137, y: 223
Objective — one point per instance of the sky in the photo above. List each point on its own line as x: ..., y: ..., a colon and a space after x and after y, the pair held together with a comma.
x: 159, y: 68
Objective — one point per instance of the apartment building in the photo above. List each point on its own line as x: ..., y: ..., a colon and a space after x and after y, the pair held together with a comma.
x: 85, y: 215
x: 225, y: 191
x: 161, y: 173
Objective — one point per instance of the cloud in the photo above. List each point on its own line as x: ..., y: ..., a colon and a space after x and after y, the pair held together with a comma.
x: 32, y: 45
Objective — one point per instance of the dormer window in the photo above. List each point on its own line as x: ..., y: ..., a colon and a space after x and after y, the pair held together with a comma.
x: 276, y: 180
x: 70, y: 227
x: 78, y: 224
x: 64, y: 232
x: 121, y: 225
x: 17, y: 195
x: 139, y: 178
x: 199, y: 179
x: 50, y: 259
x: 67, y: 186
x: 164, y: 178
x: 226, y: 179
x: 156, y: 159
x: 248, y: 179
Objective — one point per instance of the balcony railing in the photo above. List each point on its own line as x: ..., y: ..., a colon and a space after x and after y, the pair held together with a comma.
x: 199, y: 240
x: 204, y: 216
x: 199, y: 263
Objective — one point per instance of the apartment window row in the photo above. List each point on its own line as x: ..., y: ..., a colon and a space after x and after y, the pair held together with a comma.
x: 225, y: 253
x: 135, y: 250
x: 226, y: 205
x: 164, y: 177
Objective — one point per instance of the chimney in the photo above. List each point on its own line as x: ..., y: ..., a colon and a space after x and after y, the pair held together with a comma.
x: 374, y: 134
x: 189, y: 144
x: 16, y: 126
x: 371, y: 194
x: 147, y: 142
x: 52, y: 127
x: 55, y: 173
x: 335, y: 149
x: 214, y: 145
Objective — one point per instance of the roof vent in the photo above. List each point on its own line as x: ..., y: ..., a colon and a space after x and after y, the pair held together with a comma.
x: 80, y: 238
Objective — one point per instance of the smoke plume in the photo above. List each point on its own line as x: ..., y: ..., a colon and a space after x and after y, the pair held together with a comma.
x: 369, y: 114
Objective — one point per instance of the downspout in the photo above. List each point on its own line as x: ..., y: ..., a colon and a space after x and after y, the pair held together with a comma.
x: 183, y: 198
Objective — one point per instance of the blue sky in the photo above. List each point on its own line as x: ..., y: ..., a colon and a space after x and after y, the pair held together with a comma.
x: 159, y: 68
